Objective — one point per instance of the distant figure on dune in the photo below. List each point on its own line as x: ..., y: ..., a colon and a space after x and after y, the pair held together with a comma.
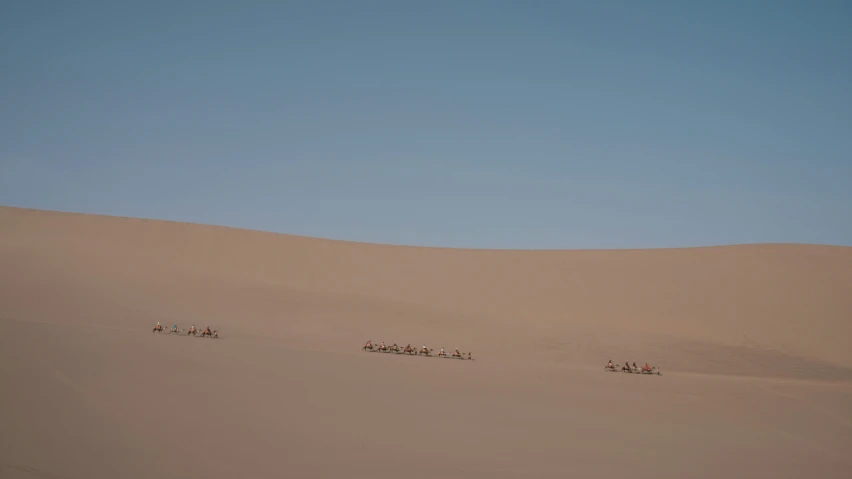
x: 209, y: 332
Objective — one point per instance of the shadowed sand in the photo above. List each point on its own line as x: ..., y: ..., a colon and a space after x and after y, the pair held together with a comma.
x: 753, y: 341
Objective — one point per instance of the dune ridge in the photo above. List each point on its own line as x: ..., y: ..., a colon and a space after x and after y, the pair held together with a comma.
x: 753, y: 342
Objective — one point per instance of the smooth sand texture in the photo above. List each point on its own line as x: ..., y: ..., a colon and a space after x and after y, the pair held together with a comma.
x: 755, y: 344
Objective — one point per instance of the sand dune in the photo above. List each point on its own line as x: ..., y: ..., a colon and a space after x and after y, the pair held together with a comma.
x: 754, y: 344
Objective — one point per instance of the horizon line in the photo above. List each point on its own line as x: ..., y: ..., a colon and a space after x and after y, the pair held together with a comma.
x: 404, y: 245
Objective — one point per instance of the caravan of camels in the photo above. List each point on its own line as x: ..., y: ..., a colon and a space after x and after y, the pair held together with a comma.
x: 424, y: 351
x: 192, y: 331
x: 628, y: 368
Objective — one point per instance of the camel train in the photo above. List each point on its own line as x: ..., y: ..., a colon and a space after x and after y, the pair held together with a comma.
x: 411, y: 351
x: 192, y: 331
x: 633, y: 369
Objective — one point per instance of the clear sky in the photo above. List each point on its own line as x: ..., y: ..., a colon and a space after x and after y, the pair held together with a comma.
x: 496, y: 124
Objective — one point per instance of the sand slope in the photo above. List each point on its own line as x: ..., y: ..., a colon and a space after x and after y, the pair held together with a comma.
x: 754, y: 342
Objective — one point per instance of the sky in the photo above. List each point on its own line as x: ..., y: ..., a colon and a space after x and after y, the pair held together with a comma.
x: 473, y: 124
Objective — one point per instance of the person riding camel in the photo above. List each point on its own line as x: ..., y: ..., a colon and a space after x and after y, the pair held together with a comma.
x: 609, y: 365
x: 383, y: 347
x: 207, y: 331
x: 647, y: 368
x: 369, y: 345
x: 424, y: 349
x: 635, y: 367
x: 456, y: 353
x: 442, y: 353
x: 408, y: 348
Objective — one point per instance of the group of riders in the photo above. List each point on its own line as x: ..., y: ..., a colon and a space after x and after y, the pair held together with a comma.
x: 213, y: 333
x: 395, y: 348
x: 628, y: 368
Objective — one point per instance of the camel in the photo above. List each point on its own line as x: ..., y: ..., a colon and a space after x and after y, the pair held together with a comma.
x: 458, y: 355
x: 369, y: 346
x: 409, y: 350
x: 191, y: 331
x: 212, y: 334
x: 427, y: 352
x: 158, y: 328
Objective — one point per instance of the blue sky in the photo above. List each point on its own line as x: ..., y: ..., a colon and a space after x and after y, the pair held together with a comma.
x: 491, y: 124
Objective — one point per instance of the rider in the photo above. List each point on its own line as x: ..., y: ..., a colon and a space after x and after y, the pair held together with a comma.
x: 174, y: 328
x: 647, y: 368
x: 369, y: 344
x: 457, y: 353
x: 158, y: 325
x: 442, y: 353
x: 609, y: 365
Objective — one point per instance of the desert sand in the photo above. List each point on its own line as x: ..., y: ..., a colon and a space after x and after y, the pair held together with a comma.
x: 754, y: 343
